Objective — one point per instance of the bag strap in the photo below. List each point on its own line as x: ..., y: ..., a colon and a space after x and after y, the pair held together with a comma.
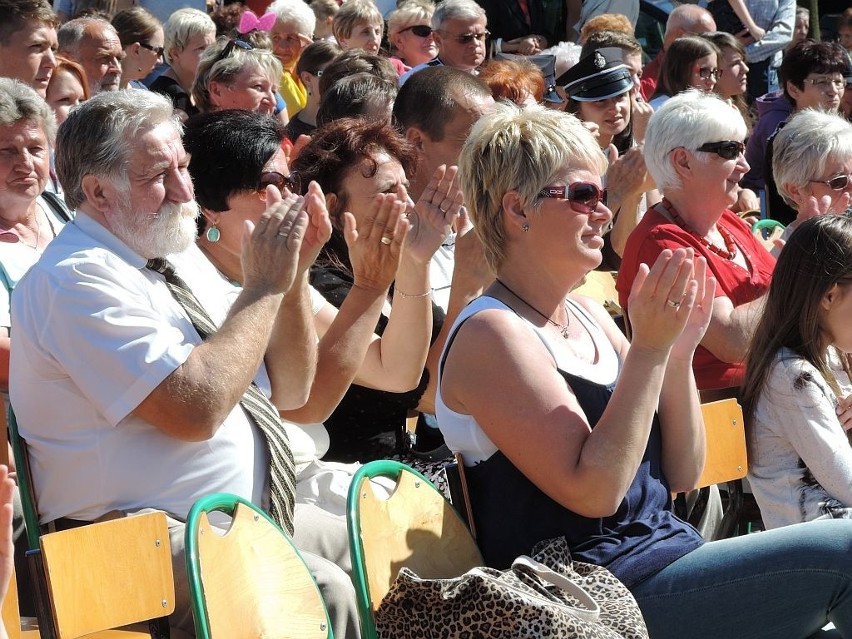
x: 57, y: 205
x: 590, y: 611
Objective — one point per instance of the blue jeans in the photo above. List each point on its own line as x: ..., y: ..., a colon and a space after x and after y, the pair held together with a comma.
x: 780, y: 584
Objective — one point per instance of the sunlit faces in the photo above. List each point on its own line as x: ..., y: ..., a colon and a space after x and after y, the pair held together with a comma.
x: 413, y: 48
x: 29, y: 55
x: 24, y: 162
x: 461, y: 43
x: 381, y: 173
x: 704, y: 73
x: 146, y: 55
x: 633, y: 61
x: 800, y: 31
x: 715, y: 177
x: 819, y: 91
x: 611, y: 115
x: 100, y: 54
x: 818, y: 187
x: 64, y: 92
x: 244, y: 206
x: 185, y: 61
x: 364, y: 36
x: 153, y: 211
x: 287, y: 43
x: 562, y: 231
x: 733, y: 78
x: 434, y: 153
x: 251, y: 90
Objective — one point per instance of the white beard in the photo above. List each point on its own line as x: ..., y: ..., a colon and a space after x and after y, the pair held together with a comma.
x: 170, y: 230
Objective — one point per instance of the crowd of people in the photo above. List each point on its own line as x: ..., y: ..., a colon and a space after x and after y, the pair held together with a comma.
x: 249, y: 248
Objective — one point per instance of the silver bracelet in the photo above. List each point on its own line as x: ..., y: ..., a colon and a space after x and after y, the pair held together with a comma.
x: 426, y: 294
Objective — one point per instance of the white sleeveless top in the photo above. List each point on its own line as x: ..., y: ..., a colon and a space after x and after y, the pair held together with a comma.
x: 462, y: 433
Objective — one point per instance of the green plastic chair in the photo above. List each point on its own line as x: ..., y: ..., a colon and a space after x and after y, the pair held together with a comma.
x: 249, y: 581
x: 413, y: 527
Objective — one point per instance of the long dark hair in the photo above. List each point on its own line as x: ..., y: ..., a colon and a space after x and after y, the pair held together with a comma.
x: 817, y: 256
x: 676, y: 71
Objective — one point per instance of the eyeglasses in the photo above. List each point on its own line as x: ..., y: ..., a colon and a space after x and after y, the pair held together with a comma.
x: 837, y: 183
x: 242, y: 44
x: 420, y: 30
x: 583, y: 196
x: 157, y: 50
x: 705, y: 73
x: 467, y: 38
x: 728, y: 150
x: 279, y: 181
x: 292, y: 40
x: 824, y: 84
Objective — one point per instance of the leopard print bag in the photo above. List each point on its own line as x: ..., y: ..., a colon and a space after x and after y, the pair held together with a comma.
x: 547, y: 597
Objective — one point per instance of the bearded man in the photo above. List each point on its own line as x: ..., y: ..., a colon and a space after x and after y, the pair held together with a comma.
x: 143, y: 379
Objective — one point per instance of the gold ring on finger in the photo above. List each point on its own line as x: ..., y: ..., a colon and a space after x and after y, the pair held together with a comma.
x: 386, y: 240
x: 673, y: 304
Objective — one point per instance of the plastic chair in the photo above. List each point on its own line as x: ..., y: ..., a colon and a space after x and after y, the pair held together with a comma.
x: 414, y: 527
x: 249, y: 581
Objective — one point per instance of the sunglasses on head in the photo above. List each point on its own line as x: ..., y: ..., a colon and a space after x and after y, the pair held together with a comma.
x: 420, y: 30
x: 584, y: 197
x: 705, y: 73
x: 152, y: 49
x: 729, y: 149
x: 837, y: 183
x: 242, y: 44
x: 279, y: 181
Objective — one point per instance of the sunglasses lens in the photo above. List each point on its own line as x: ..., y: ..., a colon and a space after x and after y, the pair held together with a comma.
x: 279, y: 181
x: 421, y: 31
x: 838, y: 182
x: 585, y: 195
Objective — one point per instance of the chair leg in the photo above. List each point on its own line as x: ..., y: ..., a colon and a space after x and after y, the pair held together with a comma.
x: 44, y: 613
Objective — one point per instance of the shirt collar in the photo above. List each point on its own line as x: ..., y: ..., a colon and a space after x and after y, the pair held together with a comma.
x: 102, y: 235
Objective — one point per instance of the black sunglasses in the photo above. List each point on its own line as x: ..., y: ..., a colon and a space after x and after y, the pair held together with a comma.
x: 837, y: 183
x: 279, y: 180
x: 420, y: 30
x: 729, y: 149
x: 584, y: 197
x: 467, y: 38
x: 242, y: 44
x: 157, y: 50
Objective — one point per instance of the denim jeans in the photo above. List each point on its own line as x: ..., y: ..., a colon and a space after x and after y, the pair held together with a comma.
x: 785, y: 583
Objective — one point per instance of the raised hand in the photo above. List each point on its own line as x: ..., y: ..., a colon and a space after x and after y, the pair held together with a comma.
x: 702, y: 311
x: 640, y: 113
x: 375, y: 248
x: 662, y: 299
x: 271, y: 250
x: 319, y: 226
x: 434, y: 214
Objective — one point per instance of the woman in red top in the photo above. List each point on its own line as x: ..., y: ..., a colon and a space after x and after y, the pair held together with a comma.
x: 694, y: 151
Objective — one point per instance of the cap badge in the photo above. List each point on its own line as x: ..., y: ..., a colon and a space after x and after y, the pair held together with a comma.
x: 598, y: 60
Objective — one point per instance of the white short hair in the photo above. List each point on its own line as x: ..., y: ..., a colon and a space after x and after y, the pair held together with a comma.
x: 810, y: 140
x: 296, y: 11
x: 687, y: 120
x: 456, y: 10
x: 183, y: 25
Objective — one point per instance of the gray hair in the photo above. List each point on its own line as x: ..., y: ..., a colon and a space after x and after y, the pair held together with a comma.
x: 410, y: 13
x: 456, y: 10
x: 182, y: 26
x: 687, y: 120
x: 19, y: 101
x: 519, y: 149
x: 211, y: 69
x: 297, y: 12
x: 96, y: 138
x: 72, y: 33
x: 810, y: 140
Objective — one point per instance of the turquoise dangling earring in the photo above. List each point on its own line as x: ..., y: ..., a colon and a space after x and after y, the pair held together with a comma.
x: 213, y: 234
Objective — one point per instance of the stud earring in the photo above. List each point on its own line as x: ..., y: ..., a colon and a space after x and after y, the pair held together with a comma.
x: 525, y: 227
x: 213, y: 234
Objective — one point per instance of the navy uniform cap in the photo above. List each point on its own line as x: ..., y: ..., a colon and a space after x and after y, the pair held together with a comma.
x: 600, y: 75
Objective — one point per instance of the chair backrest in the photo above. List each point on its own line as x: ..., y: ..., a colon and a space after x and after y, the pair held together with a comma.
x: 249, y: 581
x: 109, y: 574
x: 726, y: 444
x: 413, y: 527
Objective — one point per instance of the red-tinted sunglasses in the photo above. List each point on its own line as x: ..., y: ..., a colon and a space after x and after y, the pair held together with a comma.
x: 583, y: 196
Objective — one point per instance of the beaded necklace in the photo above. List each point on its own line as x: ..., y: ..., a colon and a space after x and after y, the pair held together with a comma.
x: 727, y: 253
